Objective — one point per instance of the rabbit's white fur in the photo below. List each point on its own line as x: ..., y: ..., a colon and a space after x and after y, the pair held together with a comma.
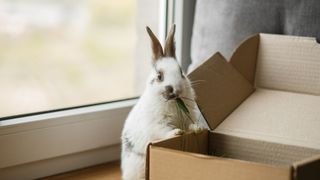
x: 155, y: 117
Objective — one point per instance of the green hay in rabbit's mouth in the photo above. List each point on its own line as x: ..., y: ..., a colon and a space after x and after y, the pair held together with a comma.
x: 182, y: 106
x: 183, y: 114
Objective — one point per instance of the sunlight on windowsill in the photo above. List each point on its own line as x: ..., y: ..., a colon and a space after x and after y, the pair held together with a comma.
x: 108, y: 171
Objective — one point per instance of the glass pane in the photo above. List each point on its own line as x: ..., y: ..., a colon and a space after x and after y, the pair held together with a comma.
x: 63, y: 53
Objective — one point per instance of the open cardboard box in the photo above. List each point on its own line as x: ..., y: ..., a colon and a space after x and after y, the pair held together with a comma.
x: 263, y: 109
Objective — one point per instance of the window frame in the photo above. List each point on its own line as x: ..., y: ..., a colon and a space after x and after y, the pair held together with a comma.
x: 48, y: 143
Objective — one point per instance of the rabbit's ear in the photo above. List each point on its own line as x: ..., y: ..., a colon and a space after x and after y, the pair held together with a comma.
x: 156, y: 46
x: 170, y: 47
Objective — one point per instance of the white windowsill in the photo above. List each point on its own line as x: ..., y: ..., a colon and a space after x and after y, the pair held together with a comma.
x: 54, y: 135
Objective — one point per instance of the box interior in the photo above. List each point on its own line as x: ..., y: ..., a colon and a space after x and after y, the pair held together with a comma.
x: 269, y: 91
x: 276, y: 116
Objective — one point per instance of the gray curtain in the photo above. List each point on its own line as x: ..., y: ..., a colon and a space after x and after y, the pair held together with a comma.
x: 220, y: 25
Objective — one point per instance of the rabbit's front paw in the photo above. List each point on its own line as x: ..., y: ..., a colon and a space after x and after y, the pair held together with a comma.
x: 175, y: 132
x: 178, y: 131
x: 195, y: 128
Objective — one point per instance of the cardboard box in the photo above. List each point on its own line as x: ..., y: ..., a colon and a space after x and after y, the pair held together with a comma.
x: 263, y: 109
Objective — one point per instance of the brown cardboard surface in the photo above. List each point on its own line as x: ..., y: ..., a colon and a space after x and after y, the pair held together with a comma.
x: 244, y: 58
x: 167, y: 164
x: 221, y: 89
x: 276, y: 116
x: 191, y: 142
x: 288, y: 63
x: 230, y: 157
x: 256, y: 150
x: 308, y: 169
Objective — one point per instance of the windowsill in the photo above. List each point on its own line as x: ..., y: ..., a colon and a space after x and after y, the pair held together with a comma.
x: 104, y: 171
x: 67, y: 140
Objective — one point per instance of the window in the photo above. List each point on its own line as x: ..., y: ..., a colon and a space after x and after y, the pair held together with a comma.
x: 57, y: 54
x: 65, y: 140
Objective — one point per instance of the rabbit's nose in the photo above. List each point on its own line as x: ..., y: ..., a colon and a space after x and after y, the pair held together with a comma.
x: 168, y: 93
x: 169, y: 89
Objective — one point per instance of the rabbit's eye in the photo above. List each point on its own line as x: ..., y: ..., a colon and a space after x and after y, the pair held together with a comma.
x: 159, y: 76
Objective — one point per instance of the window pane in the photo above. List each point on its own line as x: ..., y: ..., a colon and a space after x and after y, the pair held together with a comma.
x: 58, y: 53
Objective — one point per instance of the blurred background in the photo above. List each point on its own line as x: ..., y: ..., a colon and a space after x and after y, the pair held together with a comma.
x: 63, y: 53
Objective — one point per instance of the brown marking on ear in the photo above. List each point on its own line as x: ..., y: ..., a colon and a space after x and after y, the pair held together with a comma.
x: 181, y: 72
x: 170, y: 47
x: 157, y: 51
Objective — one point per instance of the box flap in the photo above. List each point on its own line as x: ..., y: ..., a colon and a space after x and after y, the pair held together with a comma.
x: 288, y: 63
x: 245, y: 56
x: 308, y: 169
x: 221, y: 90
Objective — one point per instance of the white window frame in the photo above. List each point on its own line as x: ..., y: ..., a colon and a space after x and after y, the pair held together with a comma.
x: 181, y: 12
x: 42, y: 145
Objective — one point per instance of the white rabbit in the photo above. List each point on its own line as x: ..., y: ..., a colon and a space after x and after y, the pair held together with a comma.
x: 155, y: 115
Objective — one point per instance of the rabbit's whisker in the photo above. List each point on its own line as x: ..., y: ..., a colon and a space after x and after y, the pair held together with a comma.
x: 196, y: 84
x: 195, y: 81
x: 192, y: 85
x: 187, y: 98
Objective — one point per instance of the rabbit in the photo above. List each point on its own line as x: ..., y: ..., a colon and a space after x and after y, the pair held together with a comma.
x: 154, y: 116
